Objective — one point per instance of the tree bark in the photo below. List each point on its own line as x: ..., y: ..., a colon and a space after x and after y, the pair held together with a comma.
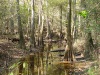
x: 61, y: 35
x: 32, y: 40
x: 74, y: 28
x: 48, y: 36
x: 69, y: 51
x: 21, y: 37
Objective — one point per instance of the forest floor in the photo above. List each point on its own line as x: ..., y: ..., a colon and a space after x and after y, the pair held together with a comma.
x: 9, y: 53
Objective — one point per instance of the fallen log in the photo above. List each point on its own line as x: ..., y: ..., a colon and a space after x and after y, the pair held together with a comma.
x: 58, y: 50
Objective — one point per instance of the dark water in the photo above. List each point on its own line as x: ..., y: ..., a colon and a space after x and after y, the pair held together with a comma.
x: 35, y: 65
x: 42, y: 63
x: 31, y: 65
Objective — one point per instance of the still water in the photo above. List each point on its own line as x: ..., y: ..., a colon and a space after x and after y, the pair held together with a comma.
x: 34, y: 66
x: 42, y: 63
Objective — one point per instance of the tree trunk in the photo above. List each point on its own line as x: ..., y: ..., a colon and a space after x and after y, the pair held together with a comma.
x: 48, y: 36
x: 74, y: 30
x: 29, y: 24
x: 69, y: 51
x: 89, y: 46
x: 22, y: 41
x: 40, y: 25
x: 32, y: 40
x: 61, y: 35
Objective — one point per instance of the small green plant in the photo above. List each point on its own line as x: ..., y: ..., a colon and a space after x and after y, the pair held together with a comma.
x: 91, y: 71
x: 83, y: 13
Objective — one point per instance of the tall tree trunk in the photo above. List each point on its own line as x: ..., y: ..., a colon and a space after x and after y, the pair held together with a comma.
x: 29, y: 24
x: 39, y: 36
x: 29, y: 20
x: 74, y: 30
x: 22, y: 41
x: 32, y: 24
x: 40, y: 25
x: 61, y: 35
x: 89, y: 42
x: 89, y: 46
x: 11, y: 19
x: 41, y: 40
x: 48, y: 36
x: 69, y: 51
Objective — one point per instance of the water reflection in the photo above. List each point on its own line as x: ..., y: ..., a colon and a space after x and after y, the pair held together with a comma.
x: 30, y: 66
x: 38, y: 63
x: 20, y: 67
x: 42, y: 62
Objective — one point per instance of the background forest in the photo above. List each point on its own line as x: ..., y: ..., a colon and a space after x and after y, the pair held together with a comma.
x: 49, y: 37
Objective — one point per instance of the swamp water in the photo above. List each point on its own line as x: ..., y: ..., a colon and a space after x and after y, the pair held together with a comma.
x: 41, y: 63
